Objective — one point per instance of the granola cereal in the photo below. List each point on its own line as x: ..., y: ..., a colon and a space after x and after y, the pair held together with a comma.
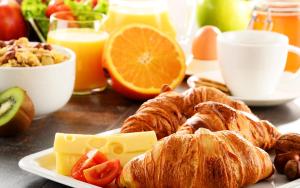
x: 22, y: 53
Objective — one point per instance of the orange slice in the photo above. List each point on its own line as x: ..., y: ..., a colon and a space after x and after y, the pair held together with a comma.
x: 141, y: 59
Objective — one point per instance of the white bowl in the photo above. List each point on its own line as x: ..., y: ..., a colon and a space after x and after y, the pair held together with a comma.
x: 49, y: 87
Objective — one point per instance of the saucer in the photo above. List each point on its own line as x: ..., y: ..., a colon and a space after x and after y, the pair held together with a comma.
x: 286, y: 90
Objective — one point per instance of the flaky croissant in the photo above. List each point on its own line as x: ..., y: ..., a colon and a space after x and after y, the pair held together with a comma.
x: 193, y: 97
x: 205, y: 159
x: 165, y: 113
x: 216, y: 117
x: 162, y: 114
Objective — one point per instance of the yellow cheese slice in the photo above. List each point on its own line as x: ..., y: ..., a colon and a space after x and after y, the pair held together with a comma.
x: 69, y: 147
x: 65, y: 162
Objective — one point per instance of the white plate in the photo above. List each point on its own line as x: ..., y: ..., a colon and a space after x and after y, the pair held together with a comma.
x: 43, y: 164
x: 286, y: 91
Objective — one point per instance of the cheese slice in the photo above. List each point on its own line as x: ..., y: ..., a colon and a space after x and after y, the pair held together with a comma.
x: 70, y: 147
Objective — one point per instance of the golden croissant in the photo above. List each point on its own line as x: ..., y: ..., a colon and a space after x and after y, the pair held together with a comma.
x: 216, y: 117
x: 193, y: 97
x: 165, y: 113
x: 205, y: 159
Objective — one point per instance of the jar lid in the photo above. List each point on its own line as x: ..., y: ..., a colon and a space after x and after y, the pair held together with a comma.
x: 278, y: 6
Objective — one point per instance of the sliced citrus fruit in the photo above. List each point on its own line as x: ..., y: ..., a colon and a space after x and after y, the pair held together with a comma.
x: 141, y: 59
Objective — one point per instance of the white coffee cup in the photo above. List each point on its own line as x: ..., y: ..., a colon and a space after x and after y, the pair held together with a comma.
x: 252, y: 62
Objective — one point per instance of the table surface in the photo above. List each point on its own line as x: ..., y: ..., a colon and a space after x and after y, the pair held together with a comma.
x: 89, y: 115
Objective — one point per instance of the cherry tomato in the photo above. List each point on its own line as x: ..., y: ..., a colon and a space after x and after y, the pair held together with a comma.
x: 66, y: 16
x: 104, y: 173
x: 94, y: 3
x: 56, y: 7
x: 87, y: 160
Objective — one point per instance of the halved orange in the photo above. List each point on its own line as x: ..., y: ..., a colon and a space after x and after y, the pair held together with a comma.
x: 141, y: 59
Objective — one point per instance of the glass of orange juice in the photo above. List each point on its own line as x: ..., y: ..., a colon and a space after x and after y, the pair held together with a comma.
x: 281, y: 16
x: 150, y: 12
x: 86, y: 38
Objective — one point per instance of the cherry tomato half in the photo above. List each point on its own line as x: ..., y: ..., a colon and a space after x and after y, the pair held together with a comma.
x: 94, y: 3
x: 56, y: 7
x: 67, y: 16
x: 91, y: 158
x: 104, y: 173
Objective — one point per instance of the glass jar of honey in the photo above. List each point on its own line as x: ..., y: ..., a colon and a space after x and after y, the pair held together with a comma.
x: 283, y: 17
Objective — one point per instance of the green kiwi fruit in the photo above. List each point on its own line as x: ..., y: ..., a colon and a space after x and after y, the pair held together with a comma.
x: 16, y: 111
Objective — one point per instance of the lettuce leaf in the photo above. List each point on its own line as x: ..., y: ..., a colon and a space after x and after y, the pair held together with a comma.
x: 33, y: 9
x: 86, y: 6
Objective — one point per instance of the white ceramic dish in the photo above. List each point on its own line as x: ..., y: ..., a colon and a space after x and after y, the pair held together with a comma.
x: 255, y: 69
x: 287, y: 90
x: 50, y: 87
x: 43, y: 164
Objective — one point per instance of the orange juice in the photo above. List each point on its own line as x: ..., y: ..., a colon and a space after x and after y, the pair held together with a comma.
x: 88, y: 46
x: 153, y: 13
x: 284, y: 18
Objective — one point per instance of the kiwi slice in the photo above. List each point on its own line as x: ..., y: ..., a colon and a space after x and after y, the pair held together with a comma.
x: 16, y: 111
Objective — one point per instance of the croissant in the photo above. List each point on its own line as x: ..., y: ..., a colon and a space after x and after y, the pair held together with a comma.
x: 216, y: 117
x: 165, y: 113
x: 192, y: 97
x: 205, y: 159
x: 162, y: 114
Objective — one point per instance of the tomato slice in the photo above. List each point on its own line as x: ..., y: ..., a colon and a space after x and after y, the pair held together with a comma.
x: 104, y: 173
x: 56, y: 7
x: 66, y: 16
x: 87, y: 160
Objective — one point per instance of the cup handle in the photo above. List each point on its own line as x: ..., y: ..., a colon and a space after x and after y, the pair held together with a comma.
x: 295, y: 50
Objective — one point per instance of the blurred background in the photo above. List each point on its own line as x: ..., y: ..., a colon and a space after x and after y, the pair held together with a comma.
x: 225, y: 14
x: 183, y: 19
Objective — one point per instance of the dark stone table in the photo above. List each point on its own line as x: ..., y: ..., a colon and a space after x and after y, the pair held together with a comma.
x: 88, y: 114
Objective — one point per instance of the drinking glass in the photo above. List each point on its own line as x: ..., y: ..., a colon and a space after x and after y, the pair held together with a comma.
x: 86, y: 38
x: 183, y: 17
x: 150, y: 12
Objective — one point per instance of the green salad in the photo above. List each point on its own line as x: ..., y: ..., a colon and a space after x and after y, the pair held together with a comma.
x: 37, y: 12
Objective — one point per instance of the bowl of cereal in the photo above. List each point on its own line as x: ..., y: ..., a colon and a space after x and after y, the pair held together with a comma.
x: 46, y: 72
